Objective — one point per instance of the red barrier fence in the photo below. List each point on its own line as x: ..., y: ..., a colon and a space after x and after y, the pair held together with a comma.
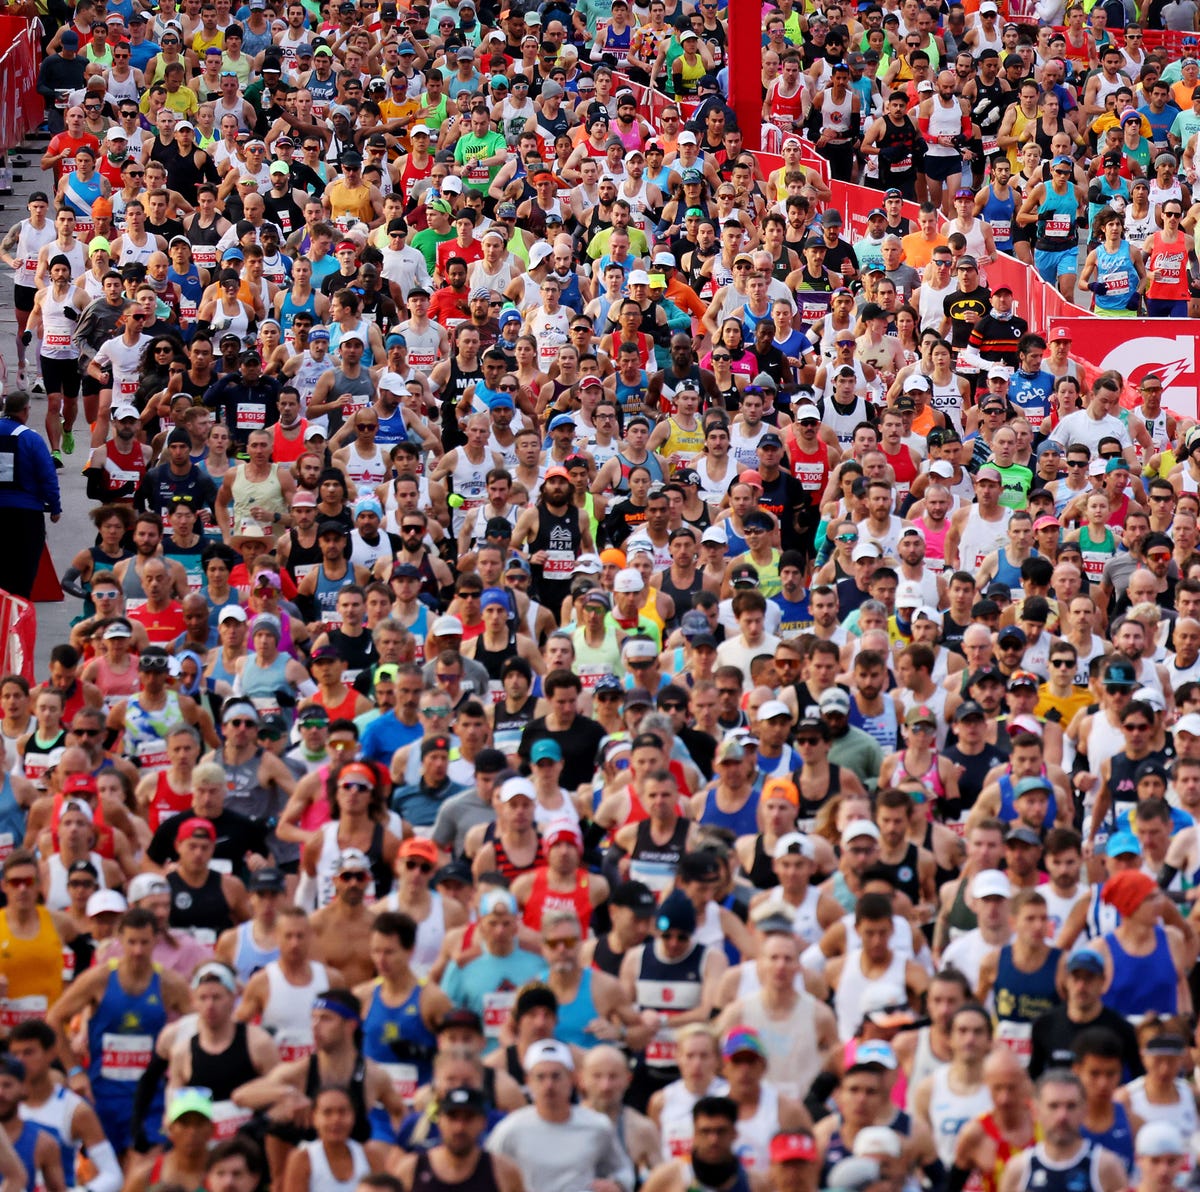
x: 18, y: 632
x: 1136, y: 347
x: 21, y: 107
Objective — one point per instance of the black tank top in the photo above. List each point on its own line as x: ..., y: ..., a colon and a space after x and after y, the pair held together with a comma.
x: 301, y: 556
x: 482, y: 1179
x: 504, y: 863
x: 202, y: 907
x: 605, y: 959
x: 904, y: 873
x: 646, y: 849
x: 942, y: 877
x: 682, y: 596
x: 560, y: 534
x: 224, y: 1072
x: 313, y: 1083
x: 806, y: 813
x: 762, y: 872
x: 504, y: 721
x: 458, y: 382
x: 493, y: 660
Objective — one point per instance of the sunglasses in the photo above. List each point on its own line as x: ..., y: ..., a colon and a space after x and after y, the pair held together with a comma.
x: 1062, y: 662
x: 239, y: 723
x: 423, y: 866
x: 354, y: 877
x: 1077, y: 463
x: 20, y: 883
x: 1116, y: 689
x: 81, y: 883
x: 437, y: 709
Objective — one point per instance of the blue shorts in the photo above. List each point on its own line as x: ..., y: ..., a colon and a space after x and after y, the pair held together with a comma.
x: 1162, y: 308
x: 940, y: 167
x: 1053, y: 265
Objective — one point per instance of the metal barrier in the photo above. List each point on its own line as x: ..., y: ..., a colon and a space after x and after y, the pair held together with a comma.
x: 21, y: 107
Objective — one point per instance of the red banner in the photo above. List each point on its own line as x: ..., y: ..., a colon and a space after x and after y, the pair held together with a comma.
x: 1135, y: 347
x: 21, y: 106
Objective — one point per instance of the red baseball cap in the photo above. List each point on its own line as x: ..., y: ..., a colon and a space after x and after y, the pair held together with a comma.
x: 788, y: 1148
x: 1061, y: 333
x: 196, y: 826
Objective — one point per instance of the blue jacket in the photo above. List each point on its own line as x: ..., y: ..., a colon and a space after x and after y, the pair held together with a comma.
x: 36, y: 480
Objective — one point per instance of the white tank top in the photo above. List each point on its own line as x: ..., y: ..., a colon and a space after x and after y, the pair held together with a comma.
x: 430, y: 932
x: 793, y: 1059
x: 288, y: 1011
x: 551, y: 330
x: 980, y: 538
x: 322, y: 1178
x: 134, y: 254
x: 847, y: 1001
x: 469, y: 481
x: 1058, y: 908
x: 754, y: 1134
x: 29, y: 241
x: 57, y: 328
x: 327, y: 865
x: 57, y: 897
x: 422, y: 346
x: 1181, y: 1115
x: 56, y: 1114
x: 307, y: 376
x: 675, y: 1117
x: 949, y: 1112
x: 946, y: 398
x: 925, y: 1063
x: 366, y: 472
x: 943, y: 122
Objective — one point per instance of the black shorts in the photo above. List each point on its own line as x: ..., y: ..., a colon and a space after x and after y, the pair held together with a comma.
x: 23, y: 298
x: 61, y: 376
x: 939, y: 167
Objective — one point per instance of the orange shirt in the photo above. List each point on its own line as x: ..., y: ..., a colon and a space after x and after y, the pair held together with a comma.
x: 918, y: 250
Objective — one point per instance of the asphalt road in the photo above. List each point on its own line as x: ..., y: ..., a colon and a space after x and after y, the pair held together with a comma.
x: 74, y: 531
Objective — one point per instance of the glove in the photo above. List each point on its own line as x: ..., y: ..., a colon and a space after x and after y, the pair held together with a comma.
x: 70, y: 314
x: 26, y: 338
x: 1098, y: 287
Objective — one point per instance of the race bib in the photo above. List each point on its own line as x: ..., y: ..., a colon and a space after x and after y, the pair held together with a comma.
x: 990, y: 145
x: 661, y: 1050
x: 404, y: 1079
x: 1118, y: 284
x: 23, y: 1009
x: 125, y: 1057
x: 205, y: 255
x: 903, y: 165
x: 1058, y: 227
x: 251, y: 415
x: 294, y: 1045
x: 127, y: 388
x: 57, y: 341
x: 151, y: 754
x: 1002, y: 229
x: 228, y: 1119
x: 496, y: 1008
x: 559, y: 563
x: 1017, y: 1037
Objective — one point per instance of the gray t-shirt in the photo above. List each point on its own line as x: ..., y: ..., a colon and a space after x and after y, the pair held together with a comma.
x: 562, y: 1156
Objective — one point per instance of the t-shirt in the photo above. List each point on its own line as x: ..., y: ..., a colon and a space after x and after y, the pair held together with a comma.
x: 578, y: 744
x: 382, y: 737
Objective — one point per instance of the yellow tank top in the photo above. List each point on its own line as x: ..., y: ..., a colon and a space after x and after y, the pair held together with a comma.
x: 691, y: 75
x: 769, y: 583
x: 200, y: 43
x: 248, y: 493
x: 681, y: 445
x: 1020, y: 123
x: 650, y: 612
x: 33, y: 966
x: 351, y: 200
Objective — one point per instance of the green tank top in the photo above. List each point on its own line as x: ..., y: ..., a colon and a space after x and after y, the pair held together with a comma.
x: 439, y: 113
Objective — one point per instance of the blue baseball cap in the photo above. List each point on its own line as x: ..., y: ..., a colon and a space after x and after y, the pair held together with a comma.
x: 561, y: 420
x: 546, y: 750
x: 1122, y: 844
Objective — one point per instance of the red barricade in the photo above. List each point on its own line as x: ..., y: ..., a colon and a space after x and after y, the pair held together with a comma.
x: 18, y: 625
x: 1135, y: 347
x: 21, y: 107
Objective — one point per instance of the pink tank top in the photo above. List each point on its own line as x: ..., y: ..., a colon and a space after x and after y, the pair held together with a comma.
x: 935, y: 544
x: 114, y: 685
x: 317, y: 813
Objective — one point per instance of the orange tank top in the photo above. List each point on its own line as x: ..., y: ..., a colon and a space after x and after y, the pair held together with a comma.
x: 34, y: 966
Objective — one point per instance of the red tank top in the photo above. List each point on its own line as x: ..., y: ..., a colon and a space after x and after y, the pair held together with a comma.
x: 342, y: 711
x: 120, y: 470
x: 411, y: 175
x: 285, y: 450
x: 166, y: 801
x: 812, y: 470
x: 543, y: 900
x: 1170, y: 262
x: 902, y: 464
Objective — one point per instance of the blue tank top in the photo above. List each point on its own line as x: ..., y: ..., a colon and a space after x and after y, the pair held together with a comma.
x: 574, y: 1016
x: 743, y: 822
x: 289, y: 309
x: 632, y: 398
x: 1008, y: 809
x: 26, y: 1148
x: 1007, y: 573
x: 121, y: 1035
x: 1118, y: 1138
x: 12, y: 818
x: 797, y: 616
x: 1144, y: 983
x: 80, y: 195
x: 1056, y: 228
x: 1117, y: 271
x: 397, y: 1037
x: 249, y: 957
x: 1023, y: 997
x: 392, y: 429
x: 882, y: 728
x: 999, y: 214
x: 327, y: 589
x: 1079, y: 1176
x: 188, y: 283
